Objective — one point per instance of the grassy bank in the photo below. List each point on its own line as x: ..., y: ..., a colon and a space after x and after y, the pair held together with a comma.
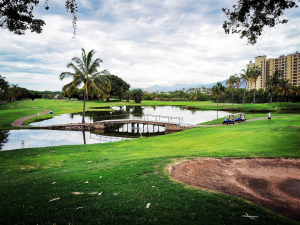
x: 133, y: 174
x: 10, y: 112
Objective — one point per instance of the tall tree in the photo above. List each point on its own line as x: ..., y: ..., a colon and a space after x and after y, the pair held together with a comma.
x: 4, y: 87
x: 245, y: 77
x: 272, y: 83
x: 86, y: 73
x: 137, y: 95
x: 283, y: 88
x: 249, y: 17
x: 233, y: 80
x: 255, y: 73
x: 218, y: 90
x: 118, y: 86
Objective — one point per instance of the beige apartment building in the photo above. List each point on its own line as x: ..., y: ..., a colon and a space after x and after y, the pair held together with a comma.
x: 290, y: 65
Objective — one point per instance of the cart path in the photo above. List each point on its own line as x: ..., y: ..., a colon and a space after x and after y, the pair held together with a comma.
x: 18, y: 122
x: 261, y: 118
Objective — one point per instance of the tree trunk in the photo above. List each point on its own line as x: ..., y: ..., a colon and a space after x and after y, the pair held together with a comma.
x: 254, y: 93
x: 244, y: 93
x: 232, y: 95
x: 271, y: 98
x: 217, y: 100
x: 83, y: 134
x: 83, y: 111
x: 281, y: 99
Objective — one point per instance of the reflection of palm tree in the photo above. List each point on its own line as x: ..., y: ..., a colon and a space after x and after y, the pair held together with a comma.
x: 3, y: 137
x: 72, y: 115
x: 83, y: 134
x: 137, y: 110
x: 153, y: 107
x: 86, y: 73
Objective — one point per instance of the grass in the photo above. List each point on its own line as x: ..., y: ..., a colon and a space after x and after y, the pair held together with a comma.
x: 133, y: 173
x: 10, y: 112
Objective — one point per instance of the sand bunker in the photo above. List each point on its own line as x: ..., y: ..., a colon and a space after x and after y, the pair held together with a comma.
x: 271, y: 183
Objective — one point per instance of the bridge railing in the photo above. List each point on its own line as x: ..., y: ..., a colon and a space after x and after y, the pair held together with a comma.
x: 143, y: 117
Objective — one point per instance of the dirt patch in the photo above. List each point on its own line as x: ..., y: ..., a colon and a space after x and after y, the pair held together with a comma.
x: 271, y: 183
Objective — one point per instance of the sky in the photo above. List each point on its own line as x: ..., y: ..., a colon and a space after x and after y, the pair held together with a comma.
x: 157, y: 42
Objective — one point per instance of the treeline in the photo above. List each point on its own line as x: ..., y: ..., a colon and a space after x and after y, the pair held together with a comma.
x: 261, y: 96
x: 178, y: 95
x: 277, y: 88
x: 9, y: 93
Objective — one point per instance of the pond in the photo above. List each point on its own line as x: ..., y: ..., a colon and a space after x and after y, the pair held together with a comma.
x: 129, y: 112
x: 16, y: 139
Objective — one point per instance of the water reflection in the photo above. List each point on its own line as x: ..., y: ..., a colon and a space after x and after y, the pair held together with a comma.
x: 41, y: 138
x: 45, y: 138
x: 128, y: 112
x: 3, y: 137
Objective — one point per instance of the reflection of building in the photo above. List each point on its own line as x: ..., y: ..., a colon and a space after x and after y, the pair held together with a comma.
x: 290, y: 65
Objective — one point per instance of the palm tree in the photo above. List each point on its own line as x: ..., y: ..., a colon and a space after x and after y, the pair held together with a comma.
x: 255, y: 73
x: 85, y: 72
x: 272, y: 83
x: 4, y: 87
x: 217, y: 90
x: 153, y: 96
x: 283, y: 88
x: 193, y: 96
x: 245, y: 77
x: 233, y: 79
x: 294, y: 92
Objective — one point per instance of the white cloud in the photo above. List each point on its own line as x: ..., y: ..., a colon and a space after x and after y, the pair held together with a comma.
x: 144, y: 43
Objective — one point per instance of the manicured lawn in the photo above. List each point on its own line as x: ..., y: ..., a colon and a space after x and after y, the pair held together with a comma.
x: 10, y: 112
x: 133, y: 173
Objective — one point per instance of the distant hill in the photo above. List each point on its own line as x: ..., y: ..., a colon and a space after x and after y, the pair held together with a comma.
x: 181, y: 86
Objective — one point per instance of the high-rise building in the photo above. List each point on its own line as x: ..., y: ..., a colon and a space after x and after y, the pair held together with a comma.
x: 290, y: 65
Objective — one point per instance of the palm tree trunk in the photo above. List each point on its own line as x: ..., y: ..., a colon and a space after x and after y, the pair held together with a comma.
x: 232, y: 95
x: 83, y: 134
x: 254, y: 93
x: 217, y: 100
x: 244, y: 93
x: 271, y: 98
x: 83, y: 111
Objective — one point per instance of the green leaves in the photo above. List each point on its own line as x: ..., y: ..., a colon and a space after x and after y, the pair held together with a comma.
x: 249, y: 17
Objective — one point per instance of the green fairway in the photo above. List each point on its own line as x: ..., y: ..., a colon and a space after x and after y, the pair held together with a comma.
x: 133, y: 174
x: 10, y: 112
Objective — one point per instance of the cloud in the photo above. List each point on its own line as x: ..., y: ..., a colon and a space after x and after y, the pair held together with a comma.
x: 145, y: 43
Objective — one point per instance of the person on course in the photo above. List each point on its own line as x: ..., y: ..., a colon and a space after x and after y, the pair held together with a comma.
x: 244, y: 119
x: 269, y: 117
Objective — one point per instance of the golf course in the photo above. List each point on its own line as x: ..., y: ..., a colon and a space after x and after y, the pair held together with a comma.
x: 128, y: 182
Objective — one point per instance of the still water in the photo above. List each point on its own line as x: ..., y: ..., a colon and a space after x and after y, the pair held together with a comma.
x: 189, y: 116
x: 16, y: 139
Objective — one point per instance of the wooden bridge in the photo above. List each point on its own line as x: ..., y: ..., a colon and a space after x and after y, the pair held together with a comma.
x: 111, y: 122
x: 144, y: 120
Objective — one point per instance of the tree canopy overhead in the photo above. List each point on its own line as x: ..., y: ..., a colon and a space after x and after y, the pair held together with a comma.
x: 17, y: 15
x: 249, y: 17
